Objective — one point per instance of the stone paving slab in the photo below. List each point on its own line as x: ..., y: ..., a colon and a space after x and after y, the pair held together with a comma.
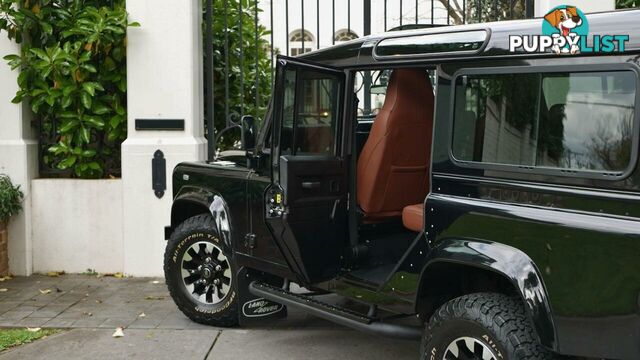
x: 93, y: 307
x: 82, y: 301
x: 309, y: 344
x: 97, y: 344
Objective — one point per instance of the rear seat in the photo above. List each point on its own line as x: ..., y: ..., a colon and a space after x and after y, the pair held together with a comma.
x: 413, y: 217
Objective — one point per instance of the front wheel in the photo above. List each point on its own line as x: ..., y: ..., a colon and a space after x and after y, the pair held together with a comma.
x: 200, y: 274
x: 483, y: 326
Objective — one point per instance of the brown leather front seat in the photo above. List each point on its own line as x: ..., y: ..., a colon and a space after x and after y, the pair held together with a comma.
x: 393, y: 168
x: 413, y: 217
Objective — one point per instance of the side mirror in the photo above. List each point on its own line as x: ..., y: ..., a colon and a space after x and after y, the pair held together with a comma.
x: 248, y: 123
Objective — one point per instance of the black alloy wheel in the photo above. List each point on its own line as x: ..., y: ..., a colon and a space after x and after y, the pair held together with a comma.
x: 200, y: 273
x: 206, y: 273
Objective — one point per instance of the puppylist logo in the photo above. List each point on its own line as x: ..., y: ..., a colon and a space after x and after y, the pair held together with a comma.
x: 565, y: 30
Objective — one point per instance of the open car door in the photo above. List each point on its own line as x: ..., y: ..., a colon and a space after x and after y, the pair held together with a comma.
x: 306, y: 204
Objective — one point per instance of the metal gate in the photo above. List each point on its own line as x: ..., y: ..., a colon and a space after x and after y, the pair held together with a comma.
x: 242, y: 38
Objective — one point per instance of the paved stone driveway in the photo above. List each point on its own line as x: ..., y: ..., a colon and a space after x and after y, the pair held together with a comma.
x: 154, y: 328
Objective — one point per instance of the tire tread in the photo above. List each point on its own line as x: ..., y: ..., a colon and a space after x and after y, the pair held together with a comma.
x: 502, y: 315
x: 202, y: 223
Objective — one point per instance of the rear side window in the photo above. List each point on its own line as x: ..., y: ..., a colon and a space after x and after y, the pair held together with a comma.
x: 570, y: 121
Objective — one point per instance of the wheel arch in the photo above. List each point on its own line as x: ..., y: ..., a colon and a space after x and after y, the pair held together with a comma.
x: 195, y: 201
x: 183, y: 209
x: 478, y: 266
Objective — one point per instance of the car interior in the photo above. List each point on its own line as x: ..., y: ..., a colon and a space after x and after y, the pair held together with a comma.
x: 394, y: 152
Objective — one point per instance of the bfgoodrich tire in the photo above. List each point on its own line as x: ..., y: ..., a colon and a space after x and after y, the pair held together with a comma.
x: 200, y: 274
x: 484, y: 326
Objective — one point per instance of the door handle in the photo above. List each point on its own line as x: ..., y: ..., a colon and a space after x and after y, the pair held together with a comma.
x: 310, y: 184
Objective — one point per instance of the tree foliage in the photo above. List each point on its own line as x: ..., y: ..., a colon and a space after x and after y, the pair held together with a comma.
x: 246, y: 96
x: 73, y: 74
x: 627, y: 4
x: 475, y: 11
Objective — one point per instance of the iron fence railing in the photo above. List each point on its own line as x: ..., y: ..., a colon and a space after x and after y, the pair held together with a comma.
x: 242, y: 38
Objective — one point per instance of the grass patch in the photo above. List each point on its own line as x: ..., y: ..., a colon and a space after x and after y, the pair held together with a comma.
x: 90, y: 272
x: 15, y: 337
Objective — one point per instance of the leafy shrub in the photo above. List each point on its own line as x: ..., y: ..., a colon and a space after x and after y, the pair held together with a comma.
x: 73, y: 73
x: 10, y: 199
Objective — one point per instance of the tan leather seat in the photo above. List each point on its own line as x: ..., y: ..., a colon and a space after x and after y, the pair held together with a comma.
x: 393, y: 168
x: 413, y: 217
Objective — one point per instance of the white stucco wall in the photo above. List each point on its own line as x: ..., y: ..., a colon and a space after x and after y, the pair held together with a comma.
x: 77, y: 225
x: 164, y: 67
x: 18, y: 159
x: 111, y: 225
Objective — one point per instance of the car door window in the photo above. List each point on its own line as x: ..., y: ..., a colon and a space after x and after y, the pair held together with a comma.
x: 310, y: 113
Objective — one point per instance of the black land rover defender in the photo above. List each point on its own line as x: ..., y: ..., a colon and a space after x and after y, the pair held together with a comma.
x: 492, y: 196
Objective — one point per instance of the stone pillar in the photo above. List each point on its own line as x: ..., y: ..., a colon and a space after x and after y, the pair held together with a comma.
x: 542, y: 7
x: 164, y: 70
x: 18, y: 159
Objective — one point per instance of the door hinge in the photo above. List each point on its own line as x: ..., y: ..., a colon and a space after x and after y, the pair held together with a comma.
x: 250, y: 240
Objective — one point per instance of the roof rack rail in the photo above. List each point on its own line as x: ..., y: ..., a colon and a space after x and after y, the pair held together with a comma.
x: 417, y: 26
x: 432, y: 44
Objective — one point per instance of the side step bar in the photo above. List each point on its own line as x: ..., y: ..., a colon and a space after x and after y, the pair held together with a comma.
x: 338, y: 315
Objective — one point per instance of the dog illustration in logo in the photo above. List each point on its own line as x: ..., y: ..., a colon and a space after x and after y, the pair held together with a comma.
x: 565, y: 20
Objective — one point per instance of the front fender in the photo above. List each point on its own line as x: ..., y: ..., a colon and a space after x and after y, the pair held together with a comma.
x: 192, y: 200
x: 508, y: 262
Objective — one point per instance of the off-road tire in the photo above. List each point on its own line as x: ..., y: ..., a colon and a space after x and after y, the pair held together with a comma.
x: 195, y: 229
x: 498, y: 321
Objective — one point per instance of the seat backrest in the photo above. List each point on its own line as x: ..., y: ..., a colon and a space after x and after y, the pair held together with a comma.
x: 393, y: 168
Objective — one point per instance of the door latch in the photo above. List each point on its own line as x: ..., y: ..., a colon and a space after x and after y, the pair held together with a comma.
x: 275, y: 203
x: 250, y: 240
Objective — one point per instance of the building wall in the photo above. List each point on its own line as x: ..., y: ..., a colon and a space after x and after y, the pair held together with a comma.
x: 165, y: 81
x: 344, y: 19
x: 353, y: 20
x: 111, y: 225
x: 18, y: 159
x: 77, y: 225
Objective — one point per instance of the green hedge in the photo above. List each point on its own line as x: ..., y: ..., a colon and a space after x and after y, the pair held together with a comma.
x: 73, y: 74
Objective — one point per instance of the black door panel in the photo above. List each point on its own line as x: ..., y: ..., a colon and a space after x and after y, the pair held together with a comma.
x: 308, y: 178
x: 306, y: 207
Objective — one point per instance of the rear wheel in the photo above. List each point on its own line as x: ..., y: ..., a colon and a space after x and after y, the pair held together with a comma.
x: 483, y: 326
x: 200, y: 274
